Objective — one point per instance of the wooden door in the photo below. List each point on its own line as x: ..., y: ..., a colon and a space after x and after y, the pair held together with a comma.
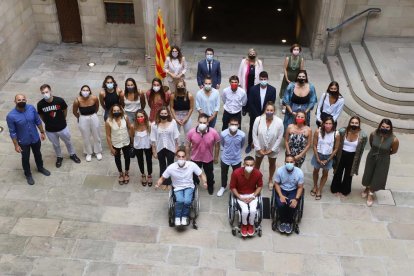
x: 69, y: 20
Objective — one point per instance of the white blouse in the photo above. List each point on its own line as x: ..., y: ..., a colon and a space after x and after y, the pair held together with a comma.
x: 350, y: 146
x: 132, y: 106
x: 165, y: 138
x: 119, y: 134
x: 265, y: 138
x: 142, y: 140
x: 174, y: 66
x: 334, y: 110
x: 325, y: 145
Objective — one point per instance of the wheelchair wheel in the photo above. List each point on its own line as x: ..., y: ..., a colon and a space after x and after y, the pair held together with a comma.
x: 259, y: 233
x: 260, y: 210
x: 231, y: 211
x: 233, y: 232
x: 272, y: 205
x: 300, y: 209
x: 171, y: 211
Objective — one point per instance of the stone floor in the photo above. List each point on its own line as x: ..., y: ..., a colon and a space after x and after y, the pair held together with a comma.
x: 79, y: 221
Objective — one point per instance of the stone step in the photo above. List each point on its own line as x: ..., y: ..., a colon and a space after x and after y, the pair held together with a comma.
x: 371, y: 81
x: 392, y: 60
x: 364, y: 99
x: 352, y: 107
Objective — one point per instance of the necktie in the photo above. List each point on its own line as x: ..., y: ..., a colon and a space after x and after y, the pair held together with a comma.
x: 209, y: 68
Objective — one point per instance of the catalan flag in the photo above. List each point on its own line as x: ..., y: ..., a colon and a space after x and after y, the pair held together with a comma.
x: 162, y: 47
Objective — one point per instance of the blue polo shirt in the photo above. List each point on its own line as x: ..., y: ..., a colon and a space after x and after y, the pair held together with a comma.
x: 289, y: 181
x: 232, y: 146
x: 23, y: 125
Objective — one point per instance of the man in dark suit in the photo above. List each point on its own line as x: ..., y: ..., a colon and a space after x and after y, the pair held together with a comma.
x: 209, y: 67
x: 259, y: 95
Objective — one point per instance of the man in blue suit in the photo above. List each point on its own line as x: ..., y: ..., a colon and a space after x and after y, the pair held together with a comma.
x: 209, y: 67
x: 259, y: 95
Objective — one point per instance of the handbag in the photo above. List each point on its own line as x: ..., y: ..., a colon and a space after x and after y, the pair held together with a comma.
x: 131, y: 152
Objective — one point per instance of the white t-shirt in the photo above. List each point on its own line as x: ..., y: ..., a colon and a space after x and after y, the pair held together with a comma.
x: 262, y: 95
x: 182, y: 178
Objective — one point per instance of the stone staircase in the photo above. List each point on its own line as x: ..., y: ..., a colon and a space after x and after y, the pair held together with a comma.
x: 367, y: 94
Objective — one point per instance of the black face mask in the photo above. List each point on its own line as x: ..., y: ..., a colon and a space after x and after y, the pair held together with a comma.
x: 181, y: 90
x: 252, y: 57
x: 117, y: 114
x: 21, y: 104
x: 301, y: 81
x: 354, y: 127
x: 332, y: 92
x: 130, y: 89
x: 163, y: 117
x: 384, y: 130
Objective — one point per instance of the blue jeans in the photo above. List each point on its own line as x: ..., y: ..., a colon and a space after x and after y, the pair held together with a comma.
x: 286, y: 212
x: 213, y: 122
x: 183, y: 200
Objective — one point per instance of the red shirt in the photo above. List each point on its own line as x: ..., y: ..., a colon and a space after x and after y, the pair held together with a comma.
x: 243, y: 185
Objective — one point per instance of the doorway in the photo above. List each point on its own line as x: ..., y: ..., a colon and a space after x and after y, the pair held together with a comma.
x: 69, y: 21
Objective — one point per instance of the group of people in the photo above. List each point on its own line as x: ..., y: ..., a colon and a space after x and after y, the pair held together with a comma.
x: 130, y: 130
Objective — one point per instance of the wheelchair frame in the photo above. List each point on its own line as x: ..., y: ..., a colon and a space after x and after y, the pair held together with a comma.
x: 194, y: 208
x: 297, y: 217
x: 234, y: 209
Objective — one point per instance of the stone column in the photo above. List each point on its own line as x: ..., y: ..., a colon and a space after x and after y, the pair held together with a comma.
x: 150, y: 18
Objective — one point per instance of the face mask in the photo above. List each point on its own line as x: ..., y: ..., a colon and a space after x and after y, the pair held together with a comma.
x: 46, y: 96
x: 289, y: 166
x: 117, y: 114
x: 295, y: 52
x: 301, y: 81
x: 209, y: 57
x: 181, y: 162
x: 269, y: 115
x: 130, y: 89
x: 332, y: 92
x: 300, y: 120
x: 181, y: 90
x: 202, y: 127
x: 156, y: 88
x: 85, y: 94
x: 233, y: 128
x: 141, y: 120
x: 263, y: 82
x: 207, y: 87
x: 21, y: 104
x: 174, y: 54
x: 110, y: 85
x: 252, y: 56
x: 328, y: 128
x: 248, y: 169
x: 384, y: 130
x: 163, y: 117
x: 234, y: 86
x: 354, y: 127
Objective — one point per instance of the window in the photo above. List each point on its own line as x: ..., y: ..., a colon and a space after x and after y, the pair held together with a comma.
x: 119, y: 11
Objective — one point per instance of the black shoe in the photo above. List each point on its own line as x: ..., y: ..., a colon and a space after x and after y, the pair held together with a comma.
x: 210, y: 190
x: 244, y: 113
x: 59, y: 162
x: 248, y: 149
x: 30, y: 180
x: 44, y: 171
x: 75, y: 158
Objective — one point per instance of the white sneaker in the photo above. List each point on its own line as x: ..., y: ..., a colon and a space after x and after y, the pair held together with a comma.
x: 184, y: 221
x: 221, y: 191
x: 88, y: 158
x: 177, y: 221
x: 99, y: 156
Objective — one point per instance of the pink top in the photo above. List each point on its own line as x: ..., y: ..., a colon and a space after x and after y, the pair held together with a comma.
x: 202, y: 145
x: 155, y: 106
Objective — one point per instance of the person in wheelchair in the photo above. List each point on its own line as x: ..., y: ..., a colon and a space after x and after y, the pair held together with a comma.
x: 289, y: 188
x: 246, y: 184
x: 181, y: 173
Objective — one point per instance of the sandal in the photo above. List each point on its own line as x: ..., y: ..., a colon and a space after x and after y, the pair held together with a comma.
x: 318, y: 197
x: 121, y: 178
x: 364, y: 193
x: 126, y: 177
x: 370, y: 199
x: 270, y: 186
x: 149, y: 179
x: 144, y: 180
x: 313, y: 192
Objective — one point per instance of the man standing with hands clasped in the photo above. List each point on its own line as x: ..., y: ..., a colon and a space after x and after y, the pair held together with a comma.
x: 22, y: 122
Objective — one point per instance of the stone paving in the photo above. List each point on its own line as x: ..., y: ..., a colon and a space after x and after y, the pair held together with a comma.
x: 79, y: 221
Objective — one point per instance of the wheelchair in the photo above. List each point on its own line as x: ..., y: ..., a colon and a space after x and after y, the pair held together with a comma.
x: 275, y: 215
x: 194, y: 208
x: 234, y: 210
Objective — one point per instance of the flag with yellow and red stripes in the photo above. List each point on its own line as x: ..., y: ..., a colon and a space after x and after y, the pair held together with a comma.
x: 162, y: 47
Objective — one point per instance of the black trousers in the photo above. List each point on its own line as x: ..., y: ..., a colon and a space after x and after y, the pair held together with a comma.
x: 148, y: 157
x: 125, y: 152
x: 227, y: 116
x: 209, y: 171
x: 341, y: 182
x: 225, y: 172
x: 26, y: 157
x: 250, y: 137
x: 165, y: 158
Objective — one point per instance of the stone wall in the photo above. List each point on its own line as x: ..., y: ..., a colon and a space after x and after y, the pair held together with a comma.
x: 45, y: 17
x: 18, y: 36
x: 395, y: 20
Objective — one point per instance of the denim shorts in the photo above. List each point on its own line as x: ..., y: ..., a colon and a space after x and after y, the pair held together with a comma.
x: 322, y: 157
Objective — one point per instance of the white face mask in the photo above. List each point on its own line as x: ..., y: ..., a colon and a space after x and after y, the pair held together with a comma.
x: 156, y: 88
x: 46, y: 96
x: 248, y: 169
x: 181, y: 162
x: 85, y: 94
x: 295, y: 52
x: 233, y: 128
x: 174, y: 54
x: 202, y: 127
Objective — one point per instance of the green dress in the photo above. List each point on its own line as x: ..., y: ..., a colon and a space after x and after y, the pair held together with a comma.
x: 292, y: 71
x: 378, y: 162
